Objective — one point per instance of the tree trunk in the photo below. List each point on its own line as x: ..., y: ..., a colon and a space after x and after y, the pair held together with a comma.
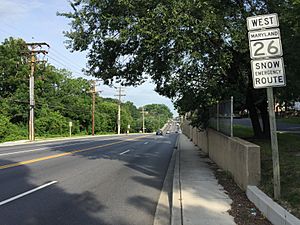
x: 263, y: 107
x: 253, y: 115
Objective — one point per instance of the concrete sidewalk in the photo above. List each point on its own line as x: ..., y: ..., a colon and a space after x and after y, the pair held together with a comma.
x: 198, y: 199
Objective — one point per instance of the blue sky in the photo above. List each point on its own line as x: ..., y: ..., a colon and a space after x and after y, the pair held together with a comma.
x: 36, y: 20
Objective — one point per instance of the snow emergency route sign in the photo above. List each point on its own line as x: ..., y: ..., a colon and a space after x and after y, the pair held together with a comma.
x: 266, y: 51
x: 268, y: 73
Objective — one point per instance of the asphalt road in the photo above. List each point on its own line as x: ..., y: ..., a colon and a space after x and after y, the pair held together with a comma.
x: 280, y: 125
x: 103, y: 180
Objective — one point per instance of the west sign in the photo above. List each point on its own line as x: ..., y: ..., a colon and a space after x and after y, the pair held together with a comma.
x: 262, y: 21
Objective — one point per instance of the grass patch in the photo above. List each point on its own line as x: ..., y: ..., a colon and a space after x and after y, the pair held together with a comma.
x: 242, y: 131
x: 292, y: 120
x: 289, y: 156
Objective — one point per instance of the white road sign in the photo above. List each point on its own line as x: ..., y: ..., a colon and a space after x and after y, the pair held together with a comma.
x: 265, y: 48
x: 268, y: 73
x: 262, y: 21
x: 264, y: 34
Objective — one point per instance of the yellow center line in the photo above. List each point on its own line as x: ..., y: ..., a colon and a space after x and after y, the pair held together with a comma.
x: 64, y: 154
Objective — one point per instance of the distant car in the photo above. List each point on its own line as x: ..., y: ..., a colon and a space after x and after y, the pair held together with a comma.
x: 168, y: 132
x: 159, y: 132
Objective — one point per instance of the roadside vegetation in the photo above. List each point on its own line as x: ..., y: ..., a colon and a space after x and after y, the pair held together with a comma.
x: 60, y: 99
x: 289, y: 156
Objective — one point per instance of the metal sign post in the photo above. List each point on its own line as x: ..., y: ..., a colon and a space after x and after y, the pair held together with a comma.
x: 267, y: 72
x: 128, y: 128
x: 274, y: 144
x: 70, y: 130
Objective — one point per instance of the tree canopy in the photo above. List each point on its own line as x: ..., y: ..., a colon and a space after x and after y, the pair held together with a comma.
x: 156, y: 116
x: 196, y: 52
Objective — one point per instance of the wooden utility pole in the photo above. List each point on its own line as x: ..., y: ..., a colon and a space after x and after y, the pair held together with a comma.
x: 93, y: 91
x: 143, y: 112
x: 93, y: 107
x: 143, y: 117
x: 119, y: 94
x: 33, y: 52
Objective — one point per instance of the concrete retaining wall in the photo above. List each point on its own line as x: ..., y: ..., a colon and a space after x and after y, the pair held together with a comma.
x: 239, y: 157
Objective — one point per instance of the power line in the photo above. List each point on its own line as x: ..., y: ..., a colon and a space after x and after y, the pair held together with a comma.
x: 72, y: 70
x: 72, y: 66
x: 65, y: 59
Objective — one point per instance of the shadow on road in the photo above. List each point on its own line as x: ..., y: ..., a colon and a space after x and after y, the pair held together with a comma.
x: 35, y: 209
x: 41, y: 206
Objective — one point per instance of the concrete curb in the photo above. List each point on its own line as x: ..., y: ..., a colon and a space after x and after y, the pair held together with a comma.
x: 176, y: 218
x: 163, y: 211
x: 273, y: 211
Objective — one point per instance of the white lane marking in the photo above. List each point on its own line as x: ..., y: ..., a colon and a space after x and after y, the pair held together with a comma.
x: 41, y: 149
x: 146, y: 143
x: 122, y: 153
x: 13, y: 153
x: 27, y: 193
x: 54, y: 146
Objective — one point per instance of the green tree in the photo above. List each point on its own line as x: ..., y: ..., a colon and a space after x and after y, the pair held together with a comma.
x: 13, y: 68
x: 135, y: 114
x: 126, y: 119
x: 14, y: 73
x: 194, y: 51
x: 157, y: 115
x: 10, y: 131
x: 109, y: 111
x: 101, y: 123
x: 289, y: 17
x: 50, y: 122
